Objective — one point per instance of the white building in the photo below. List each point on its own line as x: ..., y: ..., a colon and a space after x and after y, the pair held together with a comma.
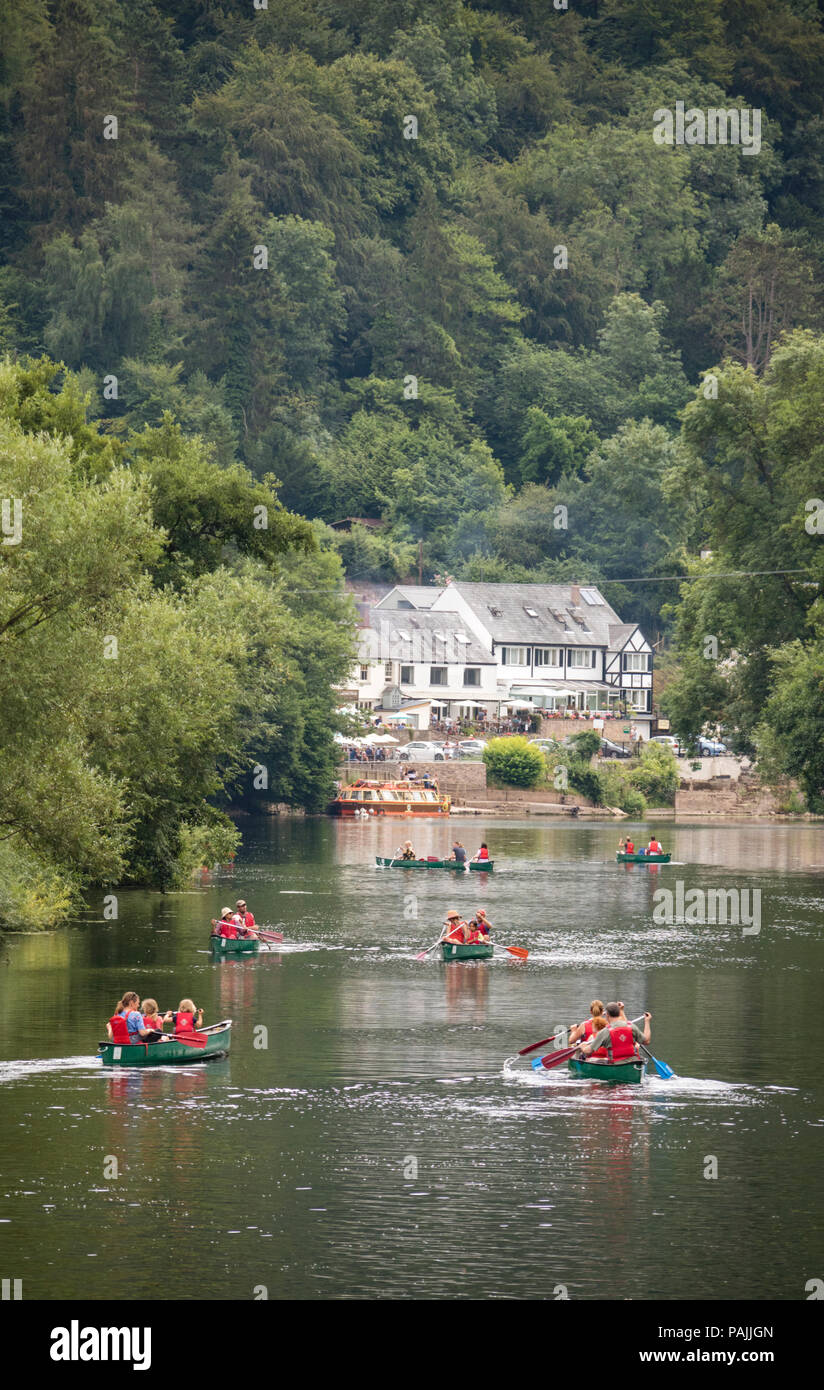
x: 468, y: 647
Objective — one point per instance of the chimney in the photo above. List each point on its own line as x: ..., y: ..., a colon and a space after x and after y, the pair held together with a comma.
x: 575, y: 596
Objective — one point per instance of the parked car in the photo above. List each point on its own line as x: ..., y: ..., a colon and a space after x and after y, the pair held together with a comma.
x: 709, y: 747
x: 547, y: 744
x: 614, y: 750
x: 669, y: 742
x: 423, y: 752
x: 471, y: 747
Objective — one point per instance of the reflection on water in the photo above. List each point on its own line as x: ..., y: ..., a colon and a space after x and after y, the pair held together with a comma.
x: 372, y: 1133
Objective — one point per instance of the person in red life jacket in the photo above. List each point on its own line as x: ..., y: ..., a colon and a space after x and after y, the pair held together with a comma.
x: 126, y: 1024
x: 479, y: 922
x: 455, y: 929
x: 185, y: 1018
x: 247, y: 921
x: 630, y: 849
x: 584, y: 1031
x: 152, y: 1020
x: 619, y: 1039
x: 600, y: 1052
x: 653, y: 847
x: 482, y: 855
x: 228, y: 924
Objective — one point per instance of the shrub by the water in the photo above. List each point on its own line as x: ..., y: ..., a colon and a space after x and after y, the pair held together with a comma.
x: 514, y: 762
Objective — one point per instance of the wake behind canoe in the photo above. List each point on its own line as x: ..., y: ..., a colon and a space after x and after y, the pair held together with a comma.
x: 479, y: 866
x: 171, y: 1052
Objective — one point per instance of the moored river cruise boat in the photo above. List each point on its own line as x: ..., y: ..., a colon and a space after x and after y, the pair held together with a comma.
x: 389, y: 799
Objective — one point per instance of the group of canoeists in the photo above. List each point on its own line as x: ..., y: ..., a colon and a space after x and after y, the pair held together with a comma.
x: 458, y: 855
x: 136, y: 1022
x: 474, y: 932
x: 627, y: 846
x: 608, y: 1035
x: 239, y: 923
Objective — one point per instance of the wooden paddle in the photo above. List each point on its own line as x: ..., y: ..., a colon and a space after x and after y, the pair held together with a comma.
x: 265, y: 934
x: 519, y: 951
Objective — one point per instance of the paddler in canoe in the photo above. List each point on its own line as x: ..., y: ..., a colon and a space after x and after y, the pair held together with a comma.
x: 617, y: 1042
x: 455, y: 928
x: 126, y: 1023
x: 584, y: 1031
x: 227, y: 925
x: 186, y: 1018
x: 406, y: 852
x: 480, y: 925
x: 247, y: 921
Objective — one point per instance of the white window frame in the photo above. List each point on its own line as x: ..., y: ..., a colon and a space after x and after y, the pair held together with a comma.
x: 476, y: 671
x: 432, y: 671
x: 548, y: 652
x: 574, y: 652
x: 632, y: 658
x: 506, y: 656
x: 364, y: 674
x: 410, y: 679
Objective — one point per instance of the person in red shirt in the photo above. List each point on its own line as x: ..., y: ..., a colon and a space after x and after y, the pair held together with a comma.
x: 483, y: 853
x: 630, y: 849
x: 654, y: 847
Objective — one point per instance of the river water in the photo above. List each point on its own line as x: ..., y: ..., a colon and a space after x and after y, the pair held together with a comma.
x: 385, y: 1142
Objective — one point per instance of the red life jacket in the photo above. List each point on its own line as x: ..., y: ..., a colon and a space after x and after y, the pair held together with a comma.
x: 483, y: 853
x: 623, y: 1043
x: 630, y: 849
x: 120, y: 1029
x: 654, y: 847
x: 589, y: 1029
x: 248, y: 920
x: 227, y: 929
x: 184, y: 1023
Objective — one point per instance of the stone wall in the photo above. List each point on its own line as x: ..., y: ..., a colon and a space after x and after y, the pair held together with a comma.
x: 726, y: 799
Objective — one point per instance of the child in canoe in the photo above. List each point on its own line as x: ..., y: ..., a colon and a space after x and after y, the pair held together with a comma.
x: 152, y: 1020
x: 185, y: 1018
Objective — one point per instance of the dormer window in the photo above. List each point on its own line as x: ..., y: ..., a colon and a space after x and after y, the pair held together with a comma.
x: 592, y: 597
x: 530, y: 612
x: 496, y: 612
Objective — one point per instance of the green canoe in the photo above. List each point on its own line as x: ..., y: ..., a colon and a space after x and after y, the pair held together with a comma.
x: 453, y: 950
x: 642, y: 858
x: 479, y: 866
x: 234, y: 946
x: 627, y: 1072
x: 163, y: 1054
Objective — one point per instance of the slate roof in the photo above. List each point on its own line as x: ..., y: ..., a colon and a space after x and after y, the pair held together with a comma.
x: 407, y: 636
x: 501, y: 609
